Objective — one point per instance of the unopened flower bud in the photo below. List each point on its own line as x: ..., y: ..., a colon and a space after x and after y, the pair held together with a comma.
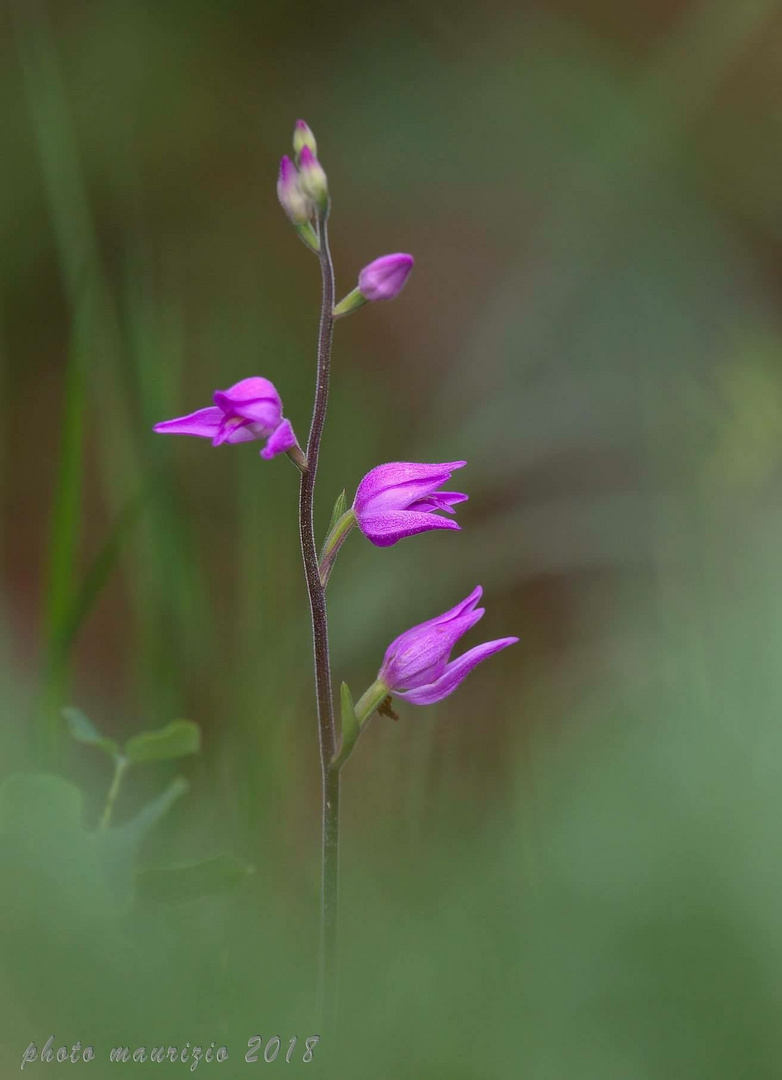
x: 312, y: 179
x: 292, y: 198
x: 383, y: 279
x: 302, y: 136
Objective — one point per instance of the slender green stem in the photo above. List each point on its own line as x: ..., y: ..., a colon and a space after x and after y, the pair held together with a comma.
x: 327, y: 733
x: 120, y: 766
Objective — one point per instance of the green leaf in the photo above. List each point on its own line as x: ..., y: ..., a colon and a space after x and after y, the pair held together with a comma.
x: 38, y: 802
x: 340, y: 506
x: 99, y: 572
x: 210, y: 877
x: 118, y: 846
x: 83, y: 730
x: 175, y: 740
x: 50, y: 862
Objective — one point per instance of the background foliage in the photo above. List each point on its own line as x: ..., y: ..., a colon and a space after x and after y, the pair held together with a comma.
x: 570, y: 868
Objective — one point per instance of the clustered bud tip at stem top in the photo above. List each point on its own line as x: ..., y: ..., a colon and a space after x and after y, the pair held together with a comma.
x: 303, y: 190
x: 302, y: 136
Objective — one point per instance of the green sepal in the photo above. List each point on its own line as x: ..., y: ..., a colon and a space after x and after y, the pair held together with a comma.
x: 350, y: 726
x: 354, y: 300
x: 309, y: 236
x: 82, y: 729
x: 370, y: 701
x: 339, y: 530
x: 175, y: 740
x: 340, y: 506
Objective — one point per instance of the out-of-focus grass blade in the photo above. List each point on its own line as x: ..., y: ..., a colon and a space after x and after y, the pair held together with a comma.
x: 84, y: 598
x: 78, y: 259
x: 65, y: 526
x: 64, y: 536
x: 69, y: 606
x: 56, y: 145
x: 97, y: 386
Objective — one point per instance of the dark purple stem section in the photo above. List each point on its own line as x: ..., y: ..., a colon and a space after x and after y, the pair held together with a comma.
x: 320, y: 637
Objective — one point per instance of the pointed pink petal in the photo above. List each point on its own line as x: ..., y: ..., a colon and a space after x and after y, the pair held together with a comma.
x: 281, y: 440
x: 439, y: 500
x: 387, y: 528
x: 423, y: 656
x: 455, y: 673
x: 414, y: 642
x: 204, y: 423
x: 468, y: 604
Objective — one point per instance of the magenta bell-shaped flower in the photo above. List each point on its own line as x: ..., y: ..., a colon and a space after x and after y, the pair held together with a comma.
x: 250, y: 409
x: 417, y: 667
x: 401, y: 499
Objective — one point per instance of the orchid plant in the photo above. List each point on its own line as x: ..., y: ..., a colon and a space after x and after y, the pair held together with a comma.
x: 392, y: 502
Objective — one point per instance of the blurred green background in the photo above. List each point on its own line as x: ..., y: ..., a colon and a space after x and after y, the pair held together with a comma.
x: 570, y: 868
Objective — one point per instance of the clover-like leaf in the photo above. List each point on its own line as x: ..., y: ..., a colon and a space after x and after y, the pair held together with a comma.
x: 175, y: 740
x: 82, y: 729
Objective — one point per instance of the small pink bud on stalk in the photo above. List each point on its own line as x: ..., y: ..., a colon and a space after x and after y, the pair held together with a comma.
x: 383, y: 279
x: 296, y: 203
x: 302, y: 136
x: 312, y: 179
x: 292, y: 199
